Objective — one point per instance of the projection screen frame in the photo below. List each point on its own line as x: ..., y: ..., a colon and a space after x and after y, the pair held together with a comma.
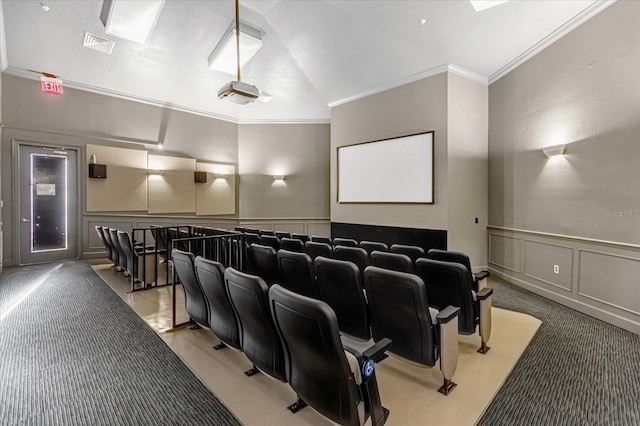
x: 431, y: 200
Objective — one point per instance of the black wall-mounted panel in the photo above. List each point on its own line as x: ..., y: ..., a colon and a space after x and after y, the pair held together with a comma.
x: 200, y: 177
x: 98, y: 171
x: 425, y: 238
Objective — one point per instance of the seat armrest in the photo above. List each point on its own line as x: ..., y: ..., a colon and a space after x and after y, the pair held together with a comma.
x: 484, y: 293
x: 478, y: 276
x: 377, y: 351
x: 364, y: 350
x: 447, y: 314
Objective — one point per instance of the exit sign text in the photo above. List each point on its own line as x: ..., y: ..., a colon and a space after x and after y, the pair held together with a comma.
x: 51, y: 85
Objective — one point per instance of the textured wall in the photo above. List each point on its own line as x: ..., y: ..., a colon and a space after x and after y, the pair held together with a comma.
x: 298, y: 151
x: 584, y: 91
x: 580, y: 212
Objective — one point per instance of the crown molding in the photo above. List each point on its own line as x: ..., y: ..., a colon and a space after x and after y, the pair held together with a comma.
x: 455, y: 69
x: 18, y: 72
x: 589, y: 12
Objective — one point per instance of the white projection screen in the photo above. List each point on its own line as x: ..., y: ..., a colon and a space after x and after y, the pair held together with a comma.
x: 397, y: 170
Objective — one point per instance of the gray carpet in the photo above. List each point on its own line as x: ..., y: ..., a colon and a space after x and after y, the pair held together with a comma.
x: 576, y: 371
x: 73, y: 353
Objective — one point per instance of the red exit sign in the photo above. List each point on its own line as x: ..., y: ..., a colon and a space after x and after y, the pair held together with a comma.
x: 51, y: 85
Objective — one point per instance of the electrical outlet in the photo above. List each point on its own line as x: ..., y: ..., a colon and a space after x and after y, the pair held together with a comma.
x: 556, y: 269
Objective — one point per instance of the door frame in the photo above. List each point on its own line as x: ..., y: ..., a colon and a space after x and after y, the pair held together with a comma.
x: 16, y: 196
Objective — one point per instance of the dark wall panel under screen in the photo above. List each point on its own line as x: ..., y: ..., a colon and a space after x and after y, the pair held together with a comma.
x: 425, y: 238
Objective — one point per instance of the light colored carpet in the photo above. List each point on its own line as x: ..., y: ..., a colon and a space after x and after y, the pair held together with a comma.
x: 409, y: 392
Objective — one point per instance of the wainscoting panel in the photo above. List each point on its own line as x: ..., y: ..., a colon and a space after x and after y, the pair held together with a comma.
x: 505, y: 251
x: 610, y: 279
x: 598, y: 278
x: 540, y: 259
x: 297, y: 227
x: 319, y: 228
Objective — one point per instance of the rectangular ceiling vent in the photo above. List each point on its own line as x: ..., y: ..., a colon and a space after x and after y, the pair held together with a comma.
x: 98, y: 43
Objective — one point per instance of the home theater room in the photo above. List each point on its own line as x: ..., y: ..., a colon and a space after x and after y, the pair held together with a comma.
x: 320, y: 212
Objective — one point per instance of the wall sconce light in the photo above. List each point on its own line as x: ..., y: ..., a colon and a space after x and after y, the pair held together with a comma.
x: 221, y: 176
x: 552, y: 151
x: 278, y: 178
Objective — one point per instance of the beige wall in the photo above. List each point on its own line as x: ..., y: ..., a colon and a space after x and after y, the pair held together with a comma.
x: 411, y: 108
x: 583, y: 91
x: 467, y: 167
x: 298, y: 151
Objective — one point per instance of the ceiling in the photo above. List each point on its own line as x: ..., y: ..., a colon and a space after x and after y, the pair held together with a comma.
x: 315, y: 54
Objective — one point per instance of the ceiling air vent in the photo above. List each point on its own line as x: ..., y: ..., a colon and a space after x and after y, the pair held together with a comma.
x: 98, y: 43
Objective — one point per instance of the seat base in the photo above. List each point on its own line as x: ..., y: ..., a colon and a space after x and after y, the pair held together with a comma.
x: 447, y: 387
x: 252, y: 371
x: 297, y: 406
x: 195, y: 326
x: 483, y: 348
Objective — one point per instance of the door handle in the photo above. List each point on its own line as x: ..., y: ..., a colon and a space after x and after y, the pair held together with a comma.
x: 24, y: 219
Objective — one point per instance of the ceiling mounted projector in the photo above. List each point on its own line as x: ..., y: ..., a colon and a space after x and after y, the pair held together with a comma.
x: 239, y: 92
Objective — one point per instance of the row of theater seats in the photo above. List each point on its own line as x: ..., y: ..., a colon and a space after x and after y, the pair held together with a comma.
x: 290, y: 337
x: 120, y: 250
x: 340, y: 283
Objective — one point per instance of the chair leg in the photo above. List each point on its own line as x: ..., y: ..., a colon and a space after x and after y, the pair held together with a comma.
x: 448, y: 354
x: 219, y: 346
x: 195, y: 326
x: 297, y: 406
x: 485, y: 324
x: 252, y: 371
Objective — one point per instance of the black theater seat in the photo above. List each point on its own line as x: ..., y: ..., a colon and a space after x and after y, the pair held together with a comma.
x: 338, y: 384
x: 394, y: 261
x: 400, y: 311
x: 107, y: 247
x: 302, y: 237
x: 265, y: 263
x: 414, y: 252
x: 281, y: 234
x: 319, y: 239
x: 357, y: 255
x: 222, y: 318
x: 346, y: 242
x: 371, y: 246
x: 195, y: 301
x: 122, y: 258
x: 271, y: 241
x: 463, y: 259
x: 450, y: 284
x: 315, y: 249
x: 259, y: 338
x: 342, y: 289
x: 297, y: 273
x: 292, y: 244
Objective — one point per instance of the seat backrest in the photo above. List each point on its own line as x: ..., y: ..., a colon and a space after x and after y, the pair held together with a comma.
x: 122, y: 259
x: 297, y: 273
x: 271, y: 241
x: 267, y: 232
x: 451, y: 256
x: 281, y: 234
x: 265, y: 263
x: 195, y: 301
x: 314, y: 249
x: 302, y: 237
x: 357, y: 255
x: 394, y: 261
x: 449, y: 284
x: 107, y: 247
x: 400, y: 311
x: 292, y: 244
x: 259, y: 338
x: 414, y: 252
x: 161, y: 237
x: 251, y: 238
x: 341, y: 288
x: 127, y: 250
x: 309, y: 327
x: 346, y: 242
x: 371, y: 246
x: 222, y: 318
x: 240, y: 229
x: 253, y: 231
x: 319, y: 239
